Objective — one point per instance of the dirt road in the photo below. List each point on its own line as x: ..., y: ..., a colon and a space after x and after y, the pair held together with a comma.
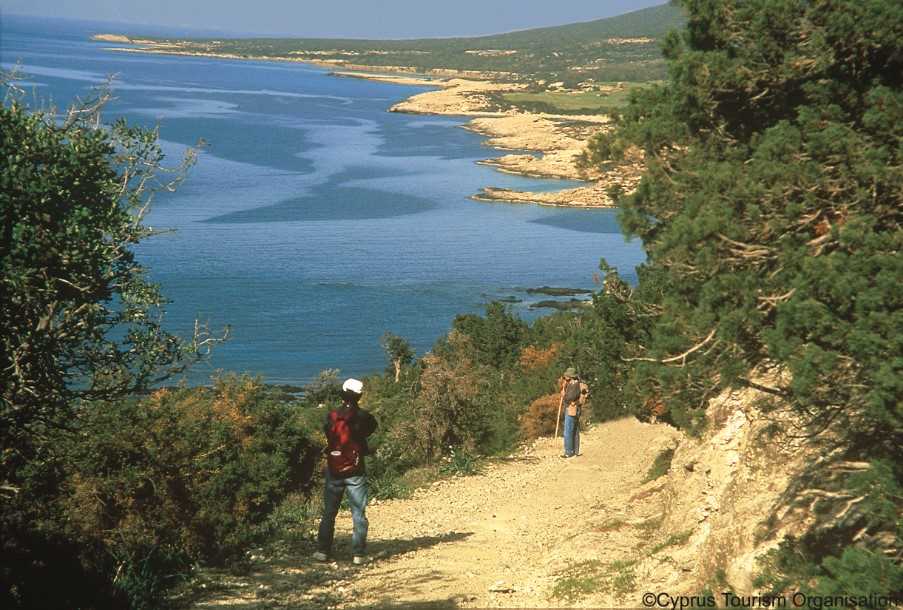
x: 508, y: 537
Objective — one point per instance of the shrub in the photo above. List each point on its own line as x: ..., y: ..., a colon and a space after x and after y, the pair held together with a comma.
x: 532, y: 357
x: 387, y: 485
x: 325, y: 389
x: 295, y: 519
x: 80, y: 324
x: 495, y: 339
x: 539, y: 419
x: 72, y: 198
x: 446, y: 409
x: 183, y: 476
x: 856, y: 572
x: 458, y: 462
x: 661, y: 465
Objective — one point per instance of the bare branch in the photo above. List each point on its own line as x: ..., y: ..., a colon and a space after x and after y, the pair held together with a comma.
x: 681, y: 357
x: 851, y: 466
x: 764, y: 388
x: 775, y: 300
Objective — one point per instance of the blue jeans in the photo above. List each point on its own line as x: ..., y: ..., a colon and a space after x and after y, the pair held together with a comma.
x: 571, y: 434
x: 357, y: 499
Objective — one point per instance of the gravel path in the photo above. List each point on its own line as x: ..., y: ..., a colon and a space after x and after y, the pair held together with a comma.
x: 502, y: 538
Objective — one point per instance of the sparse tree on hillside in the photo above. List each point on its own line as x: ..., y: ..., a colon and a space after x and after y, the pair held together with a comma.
x: 398, y: 351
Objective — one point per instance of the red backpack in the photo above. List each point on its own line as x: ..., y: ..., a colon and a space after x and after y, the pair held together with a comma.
x: 343, y: 453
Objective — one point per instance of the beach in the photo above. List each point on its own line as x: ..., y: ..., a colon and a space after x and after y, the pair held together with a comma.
x: 543, y: 145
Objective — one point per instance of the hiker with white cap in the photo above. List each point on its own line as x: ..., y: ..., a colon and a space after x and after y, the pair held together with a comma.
x: 347, y: 429
x: 573, y: 396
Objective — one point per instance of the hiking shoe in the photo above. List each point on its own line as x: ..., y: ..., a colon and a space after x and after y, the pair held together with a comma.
x: 360, y: 560
x: 320, y: 556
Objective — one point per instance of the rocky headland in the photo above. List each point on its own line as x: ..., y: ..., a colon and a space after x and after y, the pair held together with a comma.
x: 542, y: 145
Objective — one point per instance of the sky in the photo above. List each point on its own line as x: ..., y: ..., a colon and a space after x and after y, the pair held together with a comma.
x: 335, y: 18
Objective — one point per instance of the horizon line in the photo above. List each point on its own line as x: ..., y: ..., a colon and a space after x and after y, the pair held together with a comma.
x: 236, y: 34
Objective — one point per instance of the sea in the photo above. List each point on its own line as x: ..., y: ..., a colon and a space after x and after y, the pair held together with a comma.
x: 315, y: 220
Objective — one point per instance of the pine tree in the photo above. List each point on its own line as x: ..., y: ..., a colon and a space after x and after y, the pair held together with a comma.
x: 770, y: 214
x: 770, y: 211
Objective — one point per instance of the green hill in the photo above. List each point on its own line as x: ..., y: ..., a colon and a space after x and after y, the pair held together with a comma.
x: 622, y: 48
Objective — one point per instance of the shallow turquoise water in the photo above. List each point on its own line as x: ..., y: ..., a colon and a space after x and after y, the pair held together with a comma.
x: 315, y: 221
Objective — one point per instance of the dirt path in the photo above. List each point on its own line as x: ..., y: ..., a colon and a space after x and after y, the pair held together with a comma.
x: 502, y: 538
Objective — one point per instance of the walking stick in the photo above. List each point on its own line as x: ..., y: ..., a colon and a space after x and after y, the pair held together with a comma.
x: 558, y: 417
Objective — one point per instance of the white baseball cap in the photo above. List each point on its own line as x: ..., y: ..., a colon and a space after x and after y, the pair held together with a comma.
x: 353, y: 385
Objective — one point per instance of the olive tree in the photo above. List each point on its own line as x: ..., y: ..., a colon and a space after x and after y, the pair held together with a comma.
x: 79, y: 318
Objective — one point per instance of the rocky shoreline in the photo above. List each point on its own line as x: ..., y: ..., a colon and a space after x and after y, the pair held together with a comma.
x: 556, y: 140
x: 559, y: 140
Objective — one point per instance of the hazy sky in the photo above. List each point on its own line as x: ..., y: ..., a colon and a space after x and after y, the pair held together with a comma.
x: 336, y: 18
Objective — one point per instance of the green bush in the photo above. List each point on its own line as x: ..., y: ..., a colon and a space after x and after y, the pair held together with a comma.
x: 80, y: 320
x: 295, y: 519
x: 856, y: 572
x: 138, y: 491
x: 661, y: 465
x: 491, y: 383
x: 186, y: 475
x: 385, y: 482
x: 770, y: 214
x: 458, y: 462
x: 80, y: 325
x: 495, y: 339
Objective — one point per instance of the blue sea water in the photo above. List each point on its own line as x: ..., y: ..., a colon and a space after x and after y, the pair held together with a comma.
x: 315, y: 220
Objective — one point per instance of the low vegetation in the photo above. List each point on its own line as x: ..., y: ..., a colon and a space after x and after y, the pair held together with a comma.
x: 184, y: 476
x: 661, y: 465
x: 582, y: 579
x: 622, y: 48
x: 677, y: 539
x: 603, y: 99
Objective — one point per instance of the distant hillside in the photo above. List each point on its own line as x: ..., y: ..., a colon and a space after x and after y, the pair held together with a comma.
x: 622, y: 48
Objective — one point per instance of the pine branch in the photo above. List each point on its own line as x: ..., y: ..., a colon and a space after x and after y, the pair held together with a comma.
x: 681, y: 357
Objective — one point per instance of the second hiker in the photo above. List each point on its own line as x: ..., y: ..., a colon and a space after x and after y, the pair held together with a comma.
x: 573, y: 396
x: 347, y: 429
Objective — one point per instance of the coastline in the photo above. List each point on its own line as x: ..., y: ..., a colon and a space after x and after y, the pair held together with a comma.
x: 557, y: 141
